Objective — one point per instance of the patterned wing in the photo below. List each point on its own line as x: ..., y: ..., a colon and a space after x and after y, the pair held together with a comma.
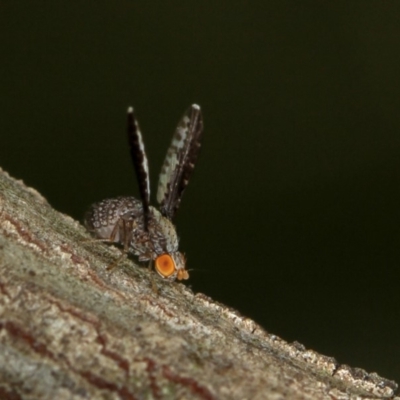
x: 179, y: 161
x: 139, y: 159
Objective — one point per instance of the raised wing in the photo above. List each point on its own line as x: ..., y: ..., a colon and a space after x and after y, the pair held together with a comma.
x: 179, y: 161
x: 139, y: 159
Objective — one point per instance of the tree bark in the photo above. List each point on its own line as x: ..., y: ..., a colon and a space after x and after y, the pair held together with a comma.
x: 71, y: 329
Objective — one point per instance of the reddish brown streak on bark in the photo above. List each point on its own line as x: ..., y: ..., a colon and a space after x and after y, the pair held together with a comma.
x: 76, y: 313
x: 91, y: 273
x: 188, y: 382
x: 158, y: 305
x: 3, y: 289
x: 103, y: 384
x: 151, y: 370
x: 9, y: 395
x: 25, y: 235
x: 121, y: 362
x: 100, y: 283
x: 17, y: 332
x: 74, y: 258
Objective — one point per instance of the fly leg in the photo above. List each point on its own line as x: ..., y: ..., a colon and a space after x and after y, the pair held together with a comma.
x: 124, y: 227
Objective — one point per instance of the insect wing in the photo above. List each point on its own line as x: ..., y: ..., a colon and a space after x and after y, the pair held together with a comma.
x: 139, y: 159
x: 179, y: 161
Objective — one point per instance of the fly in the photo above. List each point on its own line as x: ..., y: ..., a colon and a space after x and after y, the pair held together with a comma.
x: 141, y: 229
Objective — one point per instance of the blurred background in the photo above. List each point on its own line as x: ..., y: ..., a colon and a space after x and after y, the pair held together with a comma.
x: 292, y: 215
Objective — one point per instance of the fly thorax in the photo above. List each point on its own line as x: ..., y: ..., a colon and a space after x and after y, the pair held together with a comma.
x: 162, y: 232
x: 160, y: 238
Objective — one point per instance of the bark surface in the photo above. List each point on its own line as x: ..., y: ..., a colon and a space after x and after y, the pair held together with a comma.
x: 70, y: 329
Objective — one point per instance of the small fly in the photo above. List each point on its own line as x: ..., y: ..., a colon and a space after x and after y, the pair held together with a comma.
x: 141, y: 229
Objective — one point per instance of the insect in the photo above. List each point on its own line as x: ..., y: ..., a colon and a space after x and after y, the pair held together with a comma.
x: 141, y: 229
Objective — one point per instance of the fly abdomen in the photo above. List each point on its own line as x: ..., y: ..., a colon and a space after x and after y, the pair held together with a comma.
x: 115, y: 219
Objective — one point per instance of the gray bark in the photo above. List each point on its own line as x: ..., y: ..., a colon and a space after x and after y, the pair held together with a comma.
x: 71, y: 329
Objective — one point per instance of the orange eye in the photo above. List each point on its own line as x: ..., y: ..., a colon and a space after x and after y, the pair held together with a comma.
x: 165, y: 265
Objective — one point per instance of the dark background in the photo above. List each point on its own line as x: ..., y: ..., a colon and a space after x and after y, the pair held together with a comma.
x: 292, y: 215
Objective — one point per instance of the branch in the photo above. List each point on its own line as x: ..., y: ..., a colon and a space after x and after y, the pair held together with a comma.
x: 71, y: 329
